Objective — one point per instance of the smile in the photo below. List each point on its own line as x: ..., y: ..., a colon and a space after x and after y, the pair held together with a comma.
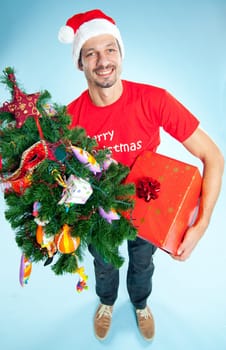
x: 104, y: 72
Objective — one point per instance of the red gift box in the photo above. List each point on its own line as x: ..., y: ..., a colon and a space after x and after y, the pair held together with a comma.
x: 166, y: 200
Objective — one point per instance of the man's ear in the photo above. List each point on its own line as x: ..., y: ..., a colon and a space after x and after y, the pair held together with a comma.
x: 80, y: 65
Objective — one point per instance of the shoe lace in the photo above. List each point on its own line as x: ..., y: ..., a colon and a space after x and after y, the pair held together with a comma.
x: 144, y: 313
x: 105, y: 310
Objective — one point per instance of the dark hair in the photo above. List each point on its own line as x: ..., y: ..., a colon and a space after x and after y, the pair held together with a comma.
x: 80, y: 59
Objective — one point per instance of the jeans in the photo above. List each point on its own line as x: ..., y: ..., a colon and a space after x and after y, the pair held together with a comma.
x: 139, y: 274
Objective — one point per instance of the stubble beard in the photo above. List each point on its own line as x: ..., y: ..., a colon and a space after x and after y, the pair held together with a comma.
x: 105, y: 84
x: 108, y: 81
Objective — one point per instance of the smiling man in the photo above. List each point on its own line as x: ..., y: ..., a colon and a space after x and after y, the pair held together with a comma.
x: 126, y: 117
x: 106, y: 53
x: 100, y: 61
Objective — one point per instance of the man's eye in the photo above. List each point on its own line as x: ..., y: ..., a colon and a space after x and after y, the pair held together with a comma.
x: 90, y: 54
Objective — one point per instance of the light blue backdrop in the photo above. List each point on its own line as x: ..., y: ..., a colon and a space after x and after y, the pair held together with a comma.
x: 179, y: 45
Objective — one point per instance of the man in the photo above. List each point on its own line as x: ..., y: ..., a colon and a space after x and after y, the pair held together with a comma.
x: 126, y: 117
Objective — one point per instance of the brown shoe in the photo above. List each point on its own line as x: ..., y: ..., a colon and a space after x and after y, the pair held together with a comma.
x: 146, y: 323
x: 102, y: 321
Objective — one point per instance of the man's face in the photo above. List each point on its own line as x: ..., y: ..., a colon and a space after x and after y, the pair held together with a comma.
x: 101, y: 61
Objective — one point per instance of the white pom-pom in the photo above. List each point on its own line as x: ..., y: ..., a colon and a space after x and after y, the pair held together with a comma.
x: 66, y: 35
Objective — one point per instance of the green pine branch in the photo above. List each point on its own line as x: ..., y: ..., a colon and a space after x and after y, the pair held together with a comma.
x: 85, y: 221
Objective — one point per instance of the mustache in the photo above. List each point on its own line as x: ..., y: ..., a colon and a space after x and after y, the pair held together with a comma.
x: 102, y: 67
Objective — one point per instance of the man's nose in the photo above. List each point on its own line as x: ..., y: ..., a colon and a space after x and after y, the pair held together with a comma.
x: 102, y: 59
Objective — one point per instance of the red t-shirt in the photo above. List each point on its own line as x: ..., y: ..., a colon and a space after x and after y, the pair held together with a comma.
x: 132, y: 123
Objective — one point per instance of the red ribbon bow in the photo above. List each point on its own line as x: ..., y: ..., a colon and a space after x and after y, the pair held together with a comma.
x: 147, y: 188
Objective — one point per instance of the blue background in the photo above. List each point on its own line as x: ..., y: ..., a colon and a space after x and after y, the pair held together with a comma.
x: 179, y: 45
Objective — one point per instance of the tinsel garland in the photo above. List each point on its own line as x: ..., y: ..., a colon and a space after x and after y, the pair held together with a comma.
x: 45, y: 166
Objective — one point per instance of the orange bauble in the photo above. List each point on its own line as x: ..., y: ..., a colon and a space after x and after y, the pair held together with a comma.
x: 66, y: 244
x: 39, y: 234
x: 45, y: 242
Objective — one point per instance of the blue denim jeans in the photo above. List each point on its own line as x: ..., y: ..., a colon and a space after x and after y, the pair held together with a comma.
x: 139, y: 274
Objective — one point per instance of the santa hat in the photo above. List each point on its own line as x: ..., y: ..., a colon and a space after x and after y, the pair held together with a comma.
x: 83, y: 26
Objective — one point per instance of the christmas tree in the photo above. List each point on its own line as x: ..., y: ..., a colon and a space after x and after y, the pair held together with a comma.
x: 62, y: 193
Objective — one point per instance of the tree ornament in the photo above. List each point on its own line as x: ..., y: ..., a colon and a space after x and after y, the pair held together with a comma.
x: 110, y: 215
x: 46, y: 242
x: 36, y: 208
x: 25, y: 270
x: 22, y: 105
x: 81, y: 285
x: 77, y: 191
x: 31, y: 158
x: 19, y: 186
x: 66, y: 244
x: 86, y: 158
